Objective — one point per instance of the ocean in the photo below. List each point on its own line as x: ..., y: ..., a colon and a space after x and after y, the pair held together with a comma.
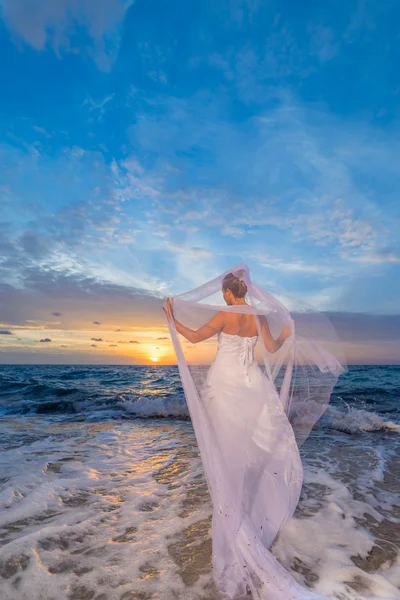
x: 102, y: 493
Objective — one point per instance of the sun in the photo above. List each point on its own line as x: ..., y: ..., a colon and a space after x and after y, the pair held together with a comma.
x: 154, y: 354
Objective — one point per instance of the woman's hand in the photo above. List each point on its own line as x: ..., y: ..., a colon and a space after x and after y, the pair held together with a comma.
x: 169, y: 310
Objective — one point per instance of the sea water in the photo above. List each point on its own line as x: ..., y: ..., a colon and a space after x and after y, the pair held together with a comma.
x: 102, y: 493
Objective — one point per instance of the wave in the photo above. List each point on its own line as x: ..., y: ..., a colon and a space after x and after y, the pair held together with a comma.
x: 150, y: 393
x: 355, y: 420
x: 350, y: 420
x: 153, y: 407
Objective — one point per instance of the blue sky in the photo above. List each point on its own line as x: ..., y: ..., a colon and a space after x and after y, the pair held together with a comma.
x: 148, y: 146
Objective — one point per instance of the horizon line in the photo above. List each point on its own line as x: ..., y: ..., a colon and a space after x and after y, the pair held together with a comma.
x: 349, y: 364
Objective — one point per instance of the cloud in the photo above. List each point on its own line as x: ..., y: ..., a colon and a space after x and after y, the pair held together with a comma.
x: 40, y: 130
x: 235, y: 232
x: 377, y: 258
x: 31, y: 297
x: 47, y: 234
x: 312, y: 192
x: 33, y: 244
x: 45, y: 340
x: 294, y: 265
x: 98, y: 107
x: 294, y: 169
x: 59, y: 25
x: 56, y: 314
x: 338, y: 227
x: 97, y: 339
x: 162, y: 338
x: 289, y: 188
x: 193, y: 215
x: 96, y: 323
x: 113, y: 345
x: 191, y: 251
x: 93, y: 346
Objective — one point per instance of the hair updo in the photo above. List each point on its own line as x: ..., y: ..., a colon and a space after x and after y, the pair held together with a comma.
x: 236, y: 285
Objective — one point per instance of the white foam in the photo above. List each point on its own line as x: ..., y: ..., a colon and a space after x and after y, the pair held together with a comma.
x: 154, y: 407
x: 355, y: 420
x: 327, y: 540
x: 136, y: 474
x: 112, y: 476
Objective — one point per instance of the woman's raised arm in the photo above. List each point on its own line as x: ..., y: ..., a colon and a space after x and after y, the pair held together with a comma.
x: 213, y: 326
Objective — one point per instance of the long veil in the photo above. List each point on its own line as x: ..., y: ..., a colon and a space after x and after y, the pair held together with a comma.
x: 251, y: 501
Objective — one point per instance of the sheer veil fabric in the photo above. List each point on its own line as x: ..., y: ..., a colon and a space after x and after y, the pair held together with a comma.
x: 251, y: 411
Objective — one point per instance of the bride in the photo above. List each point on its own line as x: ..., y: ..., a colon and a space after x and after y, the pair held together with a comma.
x: 248, y: 426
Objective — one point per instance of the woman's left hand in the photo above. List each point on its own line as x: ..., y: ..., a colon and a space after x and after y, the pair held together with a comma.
x: 169, y: 310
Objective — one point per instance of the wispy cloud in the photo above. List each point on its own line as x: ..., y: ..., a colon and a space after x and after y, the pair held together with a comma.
x: 377, y: 258
x: 191, y: 251
x: 293, y: 265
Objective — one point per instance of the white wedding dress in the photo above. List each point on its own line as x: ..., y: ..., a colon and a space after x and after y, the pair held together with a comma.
x: 249, y: 435
x: 247, y: 416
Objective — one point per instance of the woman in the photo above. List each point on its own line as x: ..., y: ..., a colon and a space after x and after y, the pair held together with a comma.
x: 248, y: 446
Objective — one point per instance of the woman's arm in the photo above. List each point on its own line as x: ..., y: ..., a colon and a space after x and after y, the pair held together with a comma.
x: 206, y: 331
x: 270, y: 343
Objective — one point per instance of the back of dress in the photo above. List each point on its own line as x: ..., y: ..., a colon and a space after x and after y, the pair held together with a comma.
x: 259, y: 458
x: 235, y: 356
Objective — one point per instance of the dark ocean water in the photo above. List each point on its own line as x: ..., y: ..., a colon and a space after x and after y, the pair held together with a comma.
x: 154, y: 391
x: 102, y: 493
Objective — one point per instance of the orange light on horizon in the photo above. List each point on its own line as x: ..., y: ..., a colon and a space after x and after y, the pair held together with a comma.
x: 154, y: 354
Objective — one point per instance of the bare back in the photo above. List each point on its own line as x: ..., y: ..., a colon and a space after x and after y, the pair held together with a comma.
x: 239, y: 324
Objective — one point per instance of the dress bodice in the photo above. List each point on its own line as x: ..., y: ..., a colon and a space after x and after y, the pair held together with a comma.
x: 236, y: 349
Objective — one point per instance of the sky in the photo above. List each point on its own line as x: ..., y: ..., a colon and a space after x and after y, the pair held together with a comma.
x: 148, y: 146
